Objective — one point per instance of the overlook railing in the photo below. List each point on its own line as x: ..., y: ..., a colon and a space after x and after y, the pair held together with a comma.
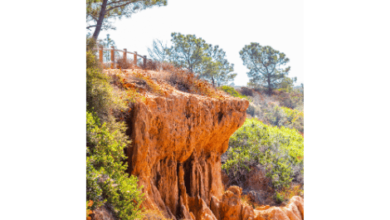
x: 113, y: 64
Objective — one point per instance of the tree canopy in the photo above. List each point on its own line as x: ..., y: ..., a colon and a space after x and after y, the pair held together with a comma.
x: 194, y: 54
x: 99, y: 12
x: 264, y: 64
x: 218, y: 70
x: 189, y: 52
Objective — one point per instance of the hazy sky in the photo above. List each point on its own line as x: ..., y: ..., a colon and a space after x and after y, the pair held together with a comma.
x: 229, y: 24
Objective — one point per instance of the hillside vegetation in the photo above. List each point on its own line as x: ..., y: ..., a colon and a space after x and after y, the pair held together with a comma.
x: 279, y: 150
x: 108, y: 184
x: 272, y: 138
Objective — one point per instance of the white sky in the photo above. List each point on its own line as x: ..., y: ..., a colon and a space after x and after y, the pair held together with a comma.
x: 227, y: 23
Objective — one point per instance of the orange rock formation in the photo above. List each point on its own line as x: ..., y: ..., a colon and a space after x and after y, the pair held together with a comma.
x: 175, y: 152
x: 176, y: 146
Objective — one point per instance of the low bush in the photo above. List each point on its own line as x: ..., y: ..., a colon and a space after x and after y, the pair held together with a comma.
x: 151, y: 84
x: 101, y: 96
x: 153, y: 65
x: 246, y: 91
x: 278, y: 150
x: 231, y: 91
x: 107, y: 180
x: 253, y: 110
x: 279, y: 198
x: 122, y: 63
x: 292, y: 99
x: 269, y: 110
x: 281, y: 116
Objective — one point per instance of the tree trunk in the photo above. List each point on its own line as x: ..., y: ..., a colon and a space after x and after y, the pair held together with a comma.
x: 269, y: 86
x: 100, y: 20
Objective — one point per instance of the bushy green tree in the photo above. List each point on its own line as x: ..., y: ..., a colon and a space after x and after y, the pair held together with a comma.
x: 264, y: 64
x: 99, y: 12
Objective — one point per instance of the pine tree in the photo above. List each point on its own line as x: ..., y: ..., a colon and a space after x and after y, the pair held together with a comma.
x: 264, y: 64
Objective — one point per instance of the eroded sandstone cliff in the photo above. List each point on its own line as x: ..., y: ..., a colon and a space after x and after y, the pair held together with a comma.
x: 177, y: 142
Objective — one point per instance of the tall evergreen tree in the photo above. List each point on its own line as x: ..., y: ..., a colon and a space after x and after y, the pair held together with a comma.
x: 189, y: 52
x: 220, y: 72
x: 264, y: 64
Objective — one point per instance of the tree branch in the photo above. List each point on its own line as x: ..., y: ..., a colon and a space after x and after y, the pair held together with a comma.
x: 90, y: 26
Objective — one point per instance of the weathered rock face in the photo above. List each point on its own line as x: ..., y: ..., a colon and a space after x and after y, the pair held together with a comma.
x: 177, y: 143
x: 176, y: 146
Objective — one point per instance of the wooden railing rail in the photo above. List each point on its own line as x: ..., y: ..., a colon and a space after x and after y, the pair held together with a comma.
x: 124, y: 51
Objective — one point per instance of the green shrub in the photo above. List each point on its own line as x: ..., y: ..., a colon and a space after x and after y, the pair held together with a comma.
x: 292, y: 99
x: 246, y: 91
x: 281, y: 116
x: 101, y: 97
x: 278, y: 150
x: 279, y: 198
x: 253, y: 110
x: 230, y: 90
x: 107, y: 180
x: 94, y: 191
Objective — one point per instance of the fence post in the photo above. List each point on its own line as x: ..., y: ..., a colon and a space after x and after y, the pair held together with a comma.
x: 124, y: 55
x: 112, y: 57
x: 145, y: 61
x: 135, y: 58
x: 101, y: 55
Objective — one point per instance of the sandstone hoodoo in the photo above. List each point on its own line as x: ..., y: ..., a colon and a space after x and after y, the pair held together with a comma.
x: 178, y: 138
x: 176, y: 146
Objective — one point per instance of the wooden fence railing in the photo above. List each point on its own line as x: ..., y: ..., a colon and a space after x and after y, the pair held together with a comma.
x: 124, y: 51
